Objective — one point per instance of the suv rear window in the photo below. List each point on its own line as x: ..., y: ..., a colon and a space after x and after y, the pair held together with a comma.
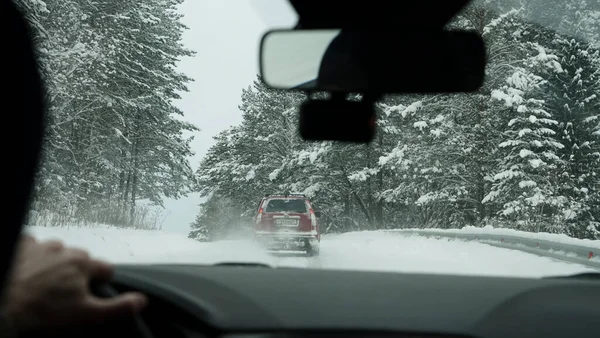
x: 286, y: 205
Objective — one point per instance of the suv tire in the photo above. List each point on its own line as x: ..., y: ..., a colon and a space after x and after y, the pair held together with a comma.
x: 312, y: 251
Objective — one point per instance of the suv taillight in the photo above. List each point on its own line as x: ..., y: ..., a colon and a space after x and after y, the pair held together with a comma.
x: 313, y: 220
x: 259, y: 216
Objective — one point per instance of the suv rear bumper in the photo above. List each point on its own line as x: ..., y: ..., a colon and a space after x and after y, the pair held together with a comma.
x: 287, y: 240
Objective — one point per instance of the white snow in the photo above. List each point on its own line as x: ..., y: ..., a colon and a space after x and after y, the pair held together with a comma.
x: 403, y: 110
x: 273, y: 175
x: 372, y: 251
x: 559, y: 238
x: 495, y: 22
x: 420, y: 124
x: 396, y: 154
x: 412, y: 108
x: 436, y: 132
x: 251, y: 174
x: 525, y: 153
x: 535, y: 163
x: 367, y: 250
x: 148, y: 246
x: 527, y: 184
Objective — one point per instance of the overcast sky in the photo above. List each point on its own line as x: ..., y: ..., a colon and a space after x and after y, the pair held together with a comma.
x: 225, y: 34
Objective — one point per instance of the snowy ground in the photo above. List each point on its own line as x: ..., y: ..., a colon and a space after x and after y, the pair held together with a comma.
x: 354, y: 251
x: 559, y: 238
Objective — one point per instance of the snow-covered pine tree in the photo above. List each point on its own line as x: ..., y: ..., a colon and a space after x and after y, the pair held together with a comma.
x: 575, y: 103
x: 528, y: 175
x: 113, y: 133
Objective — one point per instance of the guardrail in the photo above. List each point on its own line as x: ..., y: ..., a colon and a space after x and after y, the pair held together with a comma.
x: 580, y: 254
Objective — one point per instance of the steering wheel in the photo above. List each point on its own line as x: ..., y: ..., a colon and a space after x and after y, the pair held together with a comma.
x: 140, y: 327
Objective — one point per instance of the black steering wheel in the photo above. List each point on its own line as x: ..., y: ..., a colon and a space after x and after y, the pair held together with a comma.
x: 138, y: 326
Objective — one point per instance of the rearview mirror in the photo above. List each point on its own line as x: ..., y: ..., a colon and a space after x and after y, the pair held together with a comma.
x: 317, y: 214
x: 373, y: 61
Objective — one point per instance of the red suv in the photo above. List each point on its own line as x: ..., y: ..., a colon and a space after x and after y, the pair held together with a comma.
x: 288, y: 222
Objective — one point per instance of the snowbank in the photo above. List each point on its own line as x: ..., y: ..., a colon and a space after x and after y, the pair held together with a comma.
x: 558, y: 238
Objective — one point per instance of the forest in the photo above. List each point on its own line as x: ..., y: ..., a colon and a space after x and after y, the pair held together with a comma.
x: 522, y: 152
x: 114, y: 135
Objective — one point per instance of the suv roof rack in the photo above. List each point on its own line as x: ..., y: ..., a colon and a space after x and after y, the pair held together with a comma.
x: 286, y: 194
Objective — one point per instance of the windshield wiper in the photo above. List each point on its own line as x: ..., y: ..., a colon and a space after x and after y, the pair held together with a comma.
x: 584, y: 275
x: 242, y: 264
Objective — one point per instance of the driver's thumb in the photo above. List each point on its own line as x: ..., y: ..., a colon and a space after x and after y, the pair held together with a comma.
x: 121, y: 306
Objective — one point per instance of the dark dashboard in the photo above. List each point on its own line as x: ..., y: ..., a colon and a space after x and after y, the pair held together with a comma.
x: 239, y: 302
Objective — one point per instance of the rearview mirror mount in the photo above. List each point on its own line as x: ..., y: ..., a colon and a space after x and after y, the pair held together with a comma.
x: 337, y: 119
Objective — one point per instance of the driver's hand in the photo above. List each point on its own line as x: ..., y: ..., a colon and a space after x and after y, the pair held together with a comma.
x: 49, y: 290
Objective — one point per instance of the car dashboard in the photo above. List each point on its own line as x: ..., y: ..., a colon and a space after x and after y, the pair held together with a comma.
x: 253, y: 302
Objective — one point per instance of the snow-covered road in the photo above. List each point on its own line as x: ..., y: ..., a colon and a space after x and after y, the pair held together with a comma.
x: 385, y: 252
x: 376, y: 251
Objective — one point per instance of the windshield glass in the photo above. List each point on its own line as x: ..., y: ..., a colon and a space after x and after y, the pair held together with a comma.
x: 162, y: 141
x: 282, y: 205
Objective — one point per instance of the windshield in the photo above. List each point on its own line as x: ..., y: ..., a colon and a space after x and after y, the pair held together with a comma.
x: 282, y: 205
x: 162, y: 141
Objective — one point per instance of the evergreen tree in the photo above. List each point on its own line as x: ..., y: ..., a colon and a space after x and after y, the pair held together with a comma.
x: 114, y: 135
